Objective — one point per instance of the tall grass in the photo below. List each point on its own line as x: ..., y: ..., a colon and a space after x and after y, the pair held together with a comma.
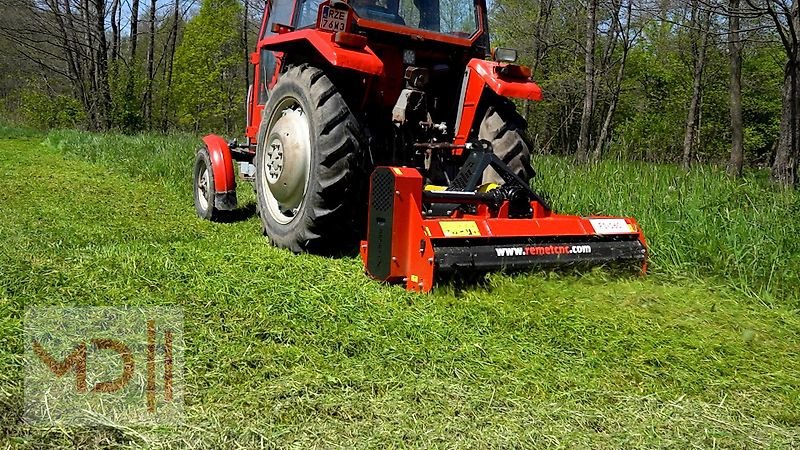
x: 743, y: 233
x: 162, y: 158
x: 11, y: 131
x: 703, y: 223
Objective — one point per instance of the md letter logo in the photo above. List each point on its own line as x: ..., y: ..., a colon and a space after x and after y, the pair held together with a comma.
x: 104, y: 365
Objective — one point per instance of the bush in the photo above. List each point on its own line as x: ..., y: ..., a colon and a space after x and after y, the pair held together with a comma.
x: 44, y: 111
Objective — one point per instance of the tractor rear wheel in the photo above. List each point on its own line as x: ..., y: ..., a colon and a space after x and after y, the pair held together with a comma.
x: 306, y: 163
x: 504, y: 128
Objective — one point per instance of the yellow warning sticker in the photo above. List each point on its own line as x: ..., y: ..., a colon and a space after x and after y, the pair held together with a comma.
x: 460, y: 228
x: 414, y: 279
x: 397, y: 170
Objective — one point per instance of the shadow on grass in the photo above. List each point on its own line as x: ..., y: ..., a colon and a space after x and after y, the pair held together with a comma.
x: 463, y: 282
x: 239, y: 214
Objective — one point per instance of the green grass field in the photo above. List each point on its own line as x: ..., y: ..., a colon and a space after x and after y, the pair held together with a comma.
x: 302, y: 351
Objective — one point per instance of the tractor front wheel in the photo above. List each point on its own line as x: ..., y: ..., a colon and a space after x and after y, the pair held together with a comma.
x: 306, y: 158
x: 502, y: 125
x: 204, y: 193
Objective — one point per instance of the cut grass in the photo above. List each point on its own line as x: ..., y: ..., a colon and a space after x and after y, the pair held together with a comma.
x: 303, y: 351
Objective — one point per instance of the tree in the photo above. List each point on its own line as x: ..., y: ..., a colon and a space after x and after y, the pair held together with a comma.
x: 700, y: 24
x: 208, y: 67
x: 147, y: 108
x: 622, y: 30
x: 735, y: 52
x: 582, y: 154
x: 785, y: 17
x: 170, y: 63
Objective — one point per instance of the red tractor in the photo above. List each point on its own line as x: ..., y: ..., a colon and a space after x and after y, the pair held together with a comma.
x: 408, y: 91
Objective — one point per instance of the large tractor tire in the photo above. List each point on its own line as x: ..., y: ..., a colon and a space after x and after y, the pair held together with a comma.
x: 502, y: 125
x: 306, y: 164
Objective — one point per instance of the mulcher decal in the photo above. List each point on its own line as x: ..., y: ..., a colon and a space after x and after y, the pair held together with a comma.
x: 542, y: 250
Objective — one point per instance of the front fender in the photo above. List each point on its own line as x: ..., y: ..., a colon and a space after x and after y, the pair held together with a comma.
x: 479, y: 75
x: 521, y: 88
x: 221, y: 164
x: 361, y: 60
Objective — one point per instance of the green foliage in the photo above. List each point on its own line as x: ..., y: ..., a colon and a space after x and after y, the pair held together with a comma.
x: 46, y: 111
x: 762, y: 74
x: 208, y: 63
x: 650, y: 118
x: 126, y: 89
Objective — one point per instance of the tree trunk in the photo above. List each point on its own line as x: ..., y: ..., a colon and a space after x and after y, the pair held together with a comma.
x: 73, y: 53
x: 784, y: 169
x: 90, y: 60
x: 612, y: 107
x: 148, y: 91
x: 623, y: 31
x: 689, y: 137
x: 134, y: 36
x: 134, y: 39
x: 785, y: 165
x: 735, y: 50
x: 114, y: 36
x: 101, y: 66
x: 582, y: 154
x: 169, y: 64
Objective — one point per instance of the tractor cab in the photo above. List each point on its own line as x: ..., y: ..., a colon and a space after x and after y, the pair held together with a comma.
x: 455, y: 18
x: 458, y: 18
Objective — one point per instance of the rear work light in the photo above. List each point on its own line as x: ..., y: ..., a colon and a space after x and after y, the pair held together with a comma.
x: 506, y: 55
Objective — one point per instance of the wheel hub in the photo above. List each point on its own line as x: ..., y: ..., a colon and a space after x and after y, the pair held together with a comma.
x: 274, y: 161
x: 287, y: 158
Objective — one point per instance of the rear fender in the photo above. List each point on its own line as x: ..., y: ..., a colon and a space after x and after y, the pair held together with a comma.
x: 222, y: 167
x: 482, y: 74
x: 359, y: 60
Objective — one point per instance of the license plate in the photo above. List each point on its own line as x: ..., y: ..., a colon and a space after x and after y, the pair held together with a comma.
x: 611, y: 226
x: 333, y: 19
